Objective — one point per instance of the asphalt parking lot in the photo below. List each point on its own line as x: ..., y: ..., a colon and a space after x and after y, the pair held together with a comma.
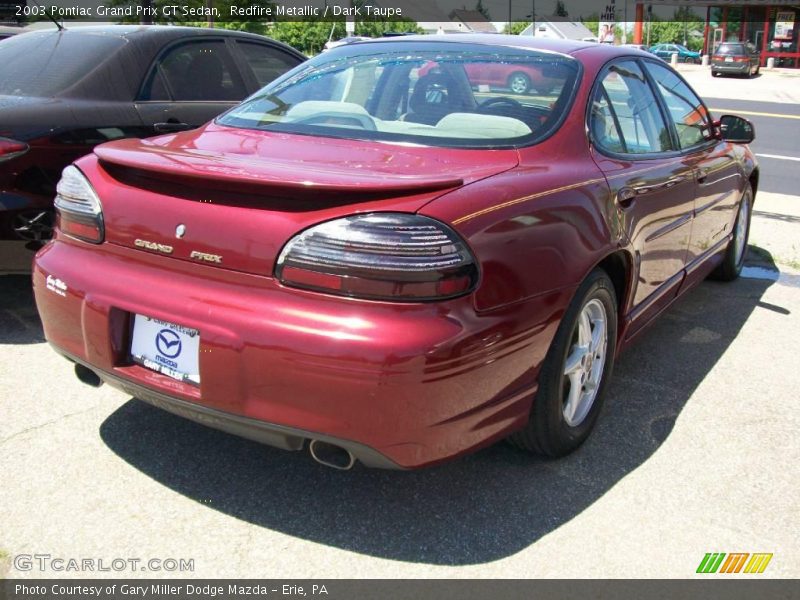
x: 696, y: 452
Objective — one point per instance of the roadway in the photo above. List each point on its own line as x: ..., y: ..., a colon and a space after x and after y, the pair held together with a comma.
x: 777, y: 143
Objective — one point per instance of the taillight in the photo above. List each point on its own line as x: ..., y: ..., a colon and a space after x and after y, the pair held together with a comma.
x: 11, y: 149
x: 80, y: 213
x: 740, y: 59
x: 384, y: 256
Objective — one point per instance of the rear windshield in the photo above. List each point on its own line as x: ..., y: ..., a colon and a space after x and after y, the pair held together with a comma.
x: 432, y: 93
x: 46, y: 63
x: 730, y: 49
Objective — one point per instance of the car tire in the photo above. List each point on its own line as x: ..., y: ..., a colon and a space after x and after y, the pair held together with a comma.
x: 519, y: 83
x: 714, y: 74
x: 563, y: 416
x: 758, y: 70
x: 732, y: 263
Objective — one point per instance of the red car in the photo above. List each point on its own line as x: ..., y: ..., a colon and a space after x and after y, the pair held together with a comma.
x: 389, y: 267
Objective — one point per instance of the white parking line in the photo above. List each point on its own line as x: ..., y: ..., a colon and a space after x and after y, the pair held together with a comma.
x: 779, y: 156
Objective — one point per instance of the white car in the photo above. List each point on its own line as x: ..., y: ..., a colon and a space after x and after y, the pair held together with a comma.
x: 345, y: 40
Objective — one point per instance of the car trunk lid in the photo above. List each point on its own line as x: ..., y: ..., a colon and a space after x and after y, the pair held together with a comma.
x: 232, y: 198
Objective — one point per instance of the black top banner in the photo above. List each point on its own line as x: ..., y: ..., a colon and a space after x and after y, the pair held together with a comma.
x: 421, y: 11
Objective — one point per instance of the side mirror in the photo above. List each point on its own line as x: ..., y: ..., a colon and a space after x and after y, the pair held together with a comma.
x: 736, y: 129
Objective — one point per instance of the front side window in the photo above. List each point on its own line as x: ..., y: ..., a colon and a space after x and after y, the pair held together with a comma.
x: 438, y: 93
x: 625, y: 98
x: 691, y: 119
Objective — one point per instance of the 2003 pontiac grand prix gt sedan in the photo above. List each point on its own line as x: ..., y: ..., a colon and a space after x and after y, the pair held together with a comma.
x: 380, y: 260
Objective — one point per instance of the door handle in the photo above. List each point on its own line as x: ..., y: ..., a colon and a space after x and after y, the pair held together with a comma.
x: 626, y: 197
x: 702, y: 176
x: 171, y: 127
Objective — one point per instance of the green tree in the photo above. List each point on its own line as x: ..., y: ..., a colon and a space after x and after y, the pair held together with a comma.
x: 483, y: 10
x: 380, y: 28
x: 560, y: 10
x: 307, y: 36
x: 678, y: 30
x: 310, y: 36
x: 516, y: 27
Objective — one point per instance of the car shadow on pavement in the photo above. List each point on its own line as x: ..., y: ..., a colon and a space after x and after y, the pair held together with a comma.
x: 480, y: 508
x: 19, y: 321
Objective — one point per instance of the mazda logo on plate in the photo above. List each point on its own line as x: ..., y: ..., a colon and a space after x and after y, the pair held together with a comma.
x: 168, y: 343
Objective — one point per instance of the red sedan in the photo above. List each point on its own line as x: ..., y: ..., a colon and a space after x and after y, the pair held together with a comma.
x: 394, y: 267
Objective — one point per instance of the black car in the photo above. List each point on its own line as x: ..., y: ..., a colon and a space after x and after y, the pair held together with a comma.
x: 735, y: 58
x: 64, y: 91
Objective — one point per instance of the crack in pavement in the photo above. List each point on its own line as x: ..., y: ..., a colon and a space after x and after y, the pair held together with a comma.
x: 47, y: 423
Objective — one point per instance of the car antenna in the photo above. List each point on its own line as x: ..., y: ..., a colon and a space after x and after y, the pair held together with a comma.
x: 50, y: 16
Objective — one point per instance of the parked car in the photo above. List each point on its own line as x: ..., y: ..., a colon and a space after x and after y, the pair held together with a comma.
x: 63, y: 92
x: 330, y: 44
x: 735, y: 58
x: 7, y: 32
x: 635, y: 47
x: 516, y: 78
x: 322, y: 267
x: 665, y: 52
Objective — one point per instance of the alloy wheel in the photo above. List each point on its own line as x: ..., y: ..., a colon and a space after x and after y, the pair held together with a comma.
x: 740, y: 235
x: 583, y: 368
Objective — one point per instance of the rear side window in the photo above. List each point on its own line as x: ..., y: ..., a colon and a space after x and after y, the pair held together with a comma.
x: 267, y: 63
x: 686, y: 111
x: 200, y: 71
x: 637, y: 125
x: 47, y: 63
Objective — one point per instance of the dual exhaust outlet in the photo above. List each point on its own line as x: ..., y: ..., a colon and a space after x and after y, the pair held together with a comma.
x: 325, y: 453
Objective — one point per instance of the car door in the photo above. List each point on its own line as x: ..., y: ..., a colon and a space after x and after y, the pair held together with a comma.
x: 649, y: 181
x: 191, y: 82
x: 716, y: 172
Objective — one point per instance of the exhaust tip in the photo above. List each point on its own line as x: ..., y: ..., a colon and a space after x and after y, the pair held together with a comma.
x: 87, y: 376
x: 331, y: 455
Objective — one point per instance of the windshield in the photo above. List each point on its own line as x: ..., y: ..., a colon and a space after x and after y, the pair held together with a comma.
x: 46, y: 63
x: 433, y: 93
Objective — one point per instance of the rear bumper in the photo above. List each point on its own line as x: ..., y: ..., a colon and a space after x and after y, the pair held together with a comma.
x: 399, y: 385
x: 277, y: 436
x: 737, y: 68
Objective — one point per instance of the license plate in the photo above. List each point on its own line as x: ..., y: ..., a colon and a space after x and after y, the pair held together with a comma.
x: 167, y: 348
x: 728, y: 59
